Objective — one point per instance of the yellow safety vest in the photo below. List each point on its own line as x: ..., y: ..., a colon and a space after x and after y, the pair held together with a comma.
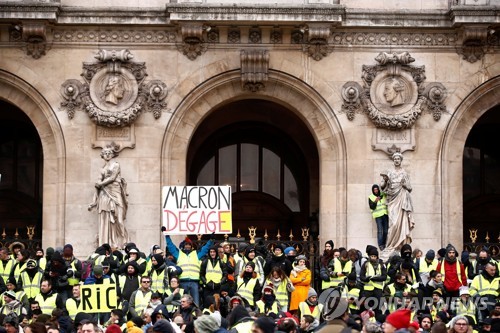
x: 157, y: 281
x: 31, y: 286
x: 354, y: 294
x: 244, y: 327
x: 73, y: 281
x: 381, y: 208
x: 457, y: 263
x: 190, y: 265
x: 42, y: 263
x: 72, y: 308
x: 370, y: 271
x: 392, y: 305
x: 305, y: 310
x: 5, y: 310
x: 18, y: 270
x: 47, y: 305
x: 141, y: 301
x: 261, y: 306
x: 246, y: 290
x: 213, y: 274
x: 281, y: 293
x: 337, y: 267
x: 484, y: 287
x: 171, y: 307
x: 424, y: 267
x: 5, y: 270
x: 466, y: 310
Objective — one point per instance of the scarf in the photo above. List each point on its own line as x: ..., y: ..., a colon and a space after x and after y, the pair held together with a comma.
x: 297, y: 269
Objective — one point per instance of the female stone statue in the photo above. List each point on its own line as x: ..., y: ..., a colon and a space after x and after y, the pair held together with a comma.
x: 110, y: 199
x: 396, y: 184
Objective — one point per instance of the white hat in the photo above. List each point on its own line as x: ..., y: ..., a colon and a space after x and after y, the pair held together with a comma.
x: 464, y: 290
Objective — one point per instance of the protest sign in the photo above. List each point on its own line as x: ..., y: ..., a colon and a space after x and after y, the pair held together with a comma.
x: 197, y: 209
x: 98, y: 298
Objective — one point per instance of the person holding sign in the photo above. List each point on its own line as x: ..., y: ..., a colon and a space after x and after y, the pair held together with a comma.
x: 189, y: 260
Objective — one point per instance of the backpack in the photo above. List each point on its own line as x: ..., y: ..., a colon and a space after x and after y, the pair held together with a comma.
x: 87, y: 267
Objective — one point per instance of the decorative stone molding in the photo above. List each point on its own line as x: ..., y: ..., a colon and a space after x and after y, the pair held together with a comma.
x: 65, y: 35
x: 276, y: 36
x: 254, y: 69
x: 193, y: 44
x: 114, y: 92
x: 254, y: 36
x: 316, y: 45
x: 391, y: 142
x: 340, y: 38
x: 474, y: 42
x: 213, y: 35
x: 393, y: 95
x: 233, y: 35
x: 33, y: 35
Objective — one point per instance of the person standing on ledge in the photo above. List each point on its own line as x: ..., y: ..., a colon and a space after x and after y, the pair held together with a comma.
x: 378, y: 205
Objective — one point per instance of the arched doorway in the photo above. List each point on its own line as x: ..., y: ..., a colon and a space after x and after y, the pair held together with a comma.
x: 481, y: 178
x: 268, y: 156
x: 21, y: 168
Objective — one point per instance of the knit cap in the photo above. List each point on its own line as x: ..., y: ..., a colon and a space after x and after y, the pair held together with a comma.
x: 206, y: 324
x: 288, y: 250
x: 113, y: 328
x: 11, y: 319
x: 399, y: 318
x: 430, y: 255
x: 163, y: 326
x: 312, y: 293
x: 251, y: 264
x: 98, y: 270
x: 10, y: 294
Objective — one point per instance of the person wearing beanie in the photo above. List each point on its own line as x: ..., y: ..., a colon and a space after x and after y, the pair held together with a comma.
x: 212, y: 271
x: 441, y: 253
x: 373, y: 274
x: 425, y: 265
x: 278, y: 259
x: 377, y: 201
x: 301, y: 280
x: 399, y: 319
x: 352, y: 291
x: 263, y: 325
x: 113, y: 328
x: 239, y: 320
x: 248, y: 285
x: 268, y: 304
x: 250, y: 255
x: 325, y: 260
x: 453, y: 272
x: 128, y: 282
x: 310, y: 306
x: 11, y: 323
x: 189, y: 259
x: 206, y: 324
x: 74, y: 267
x: 134, y: 255
x: 12, y: 305
x: 20, y: 294
x: 157, y: 273
x: 131, y: 328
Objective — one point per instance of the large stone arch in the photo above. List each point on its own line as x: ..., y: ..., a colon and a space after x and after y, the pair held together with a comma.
x: 478, y: 102
x: 295, y: 95
x: 20, y: 93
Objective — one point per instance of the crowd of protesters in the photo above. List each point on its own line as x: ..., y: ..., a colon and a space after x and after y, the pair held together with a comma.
x: 255, y: 289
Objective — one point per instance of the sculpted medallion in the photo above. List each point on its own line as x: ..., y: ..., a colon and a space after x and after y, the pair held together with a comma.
x: 115, y: 91
x: 393, y: 95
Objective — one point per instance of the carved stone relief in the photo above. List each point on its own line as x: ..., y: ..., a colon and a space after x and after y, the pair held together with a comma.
x: 255, y: 36
x: 474, y: 42
x: 393, y: 95
x: 33, y: 35
x: 123, y: 136
x: 115, y: 91
x: 254, y: 69
x: 193, y: 44
x: 391, y: 142
x: 316, y: 45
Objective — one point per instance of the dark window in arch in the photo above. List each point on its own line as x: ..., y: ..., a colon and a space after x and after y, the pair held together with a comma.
x: 252, y: 167
x: 481, y: 177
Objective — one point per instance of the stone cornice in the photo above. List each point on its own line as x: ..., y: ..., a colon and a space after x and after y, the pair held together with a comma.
x: 32, y: 11
x: 260, y: 13
x: 474, y: 15
x: 113, y: 16
x: 402, y: 18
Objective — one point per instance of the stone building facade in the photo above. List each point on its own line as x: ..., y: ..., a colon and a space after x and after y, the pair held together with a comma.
x: 285, y: 99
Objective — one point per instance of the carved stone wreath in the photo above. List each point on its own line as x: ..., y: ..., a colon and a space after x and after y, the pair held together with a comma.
x: 114, y: 92
x: 393, y: 95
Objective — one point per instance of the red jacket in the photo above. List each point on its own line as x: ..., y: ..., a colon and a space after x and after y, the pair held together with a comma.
x: 451, y: 281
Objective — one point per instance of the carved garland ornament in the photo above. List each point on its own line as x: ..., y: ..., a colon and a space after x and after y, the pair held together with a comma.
x: 115, y: 91
x: 393, y: 95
